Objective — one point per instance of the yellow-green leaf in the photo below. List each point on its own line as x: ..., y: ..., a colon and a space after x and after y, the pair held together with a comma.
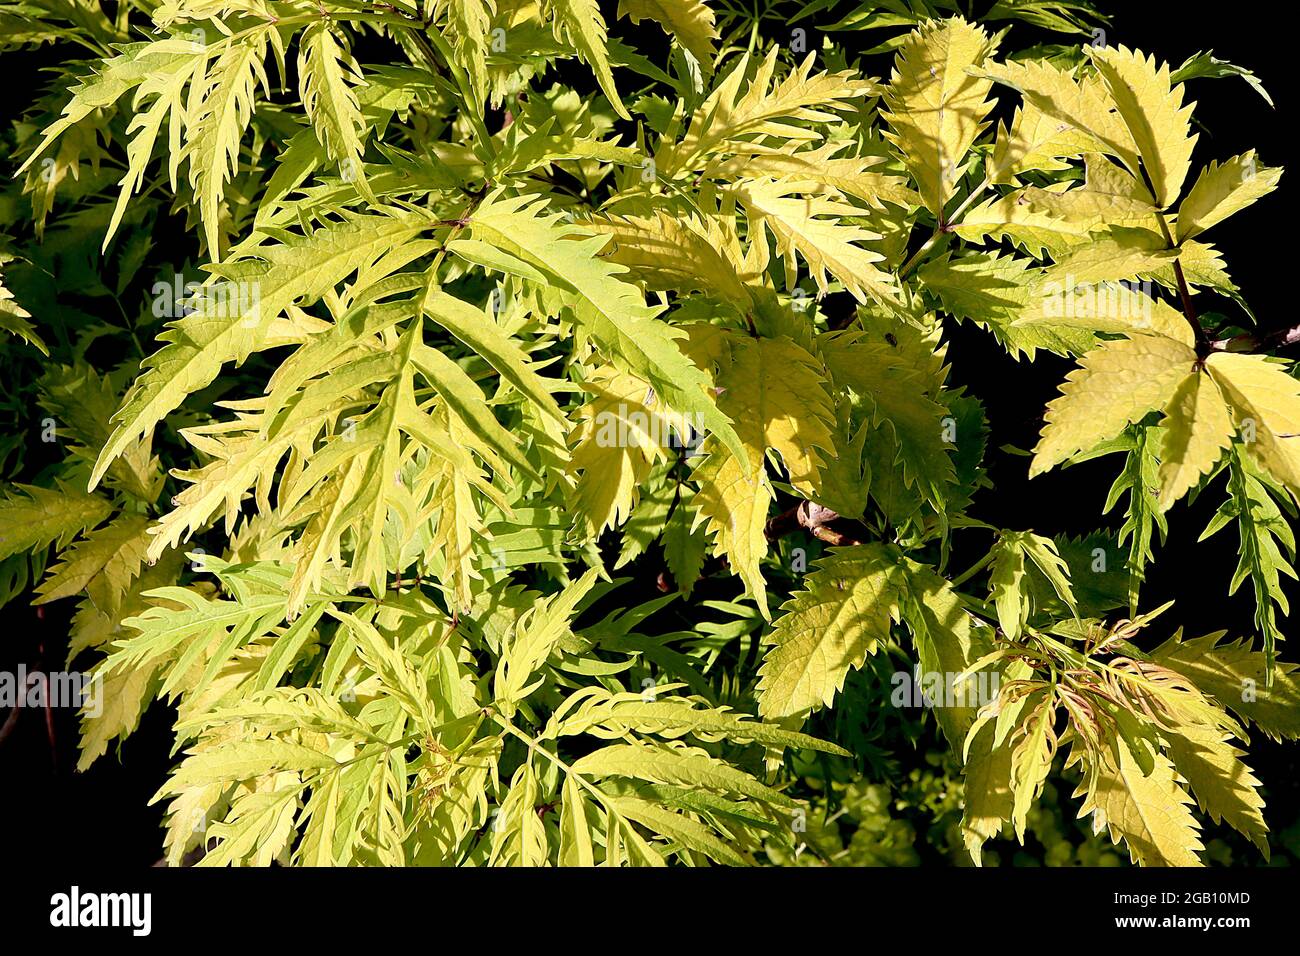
x: 1197, y: 428
x: 1223, y: 189
x: 1152, y: 108
x: 936, y: 107
x: 1115, y: 384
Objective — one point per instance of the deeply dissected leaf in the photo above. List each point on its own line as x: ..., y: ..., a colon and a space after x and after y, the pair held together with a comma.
x: 519, y: 358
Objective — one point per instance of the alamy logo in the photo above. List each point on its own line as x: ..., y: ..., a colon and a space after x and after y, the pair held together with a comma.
x: 627, y: 427
x: 1126, y: 301
x: 57, y: 689
x: 74, y: 908
x: 944, y: 689
x: 223, y: 300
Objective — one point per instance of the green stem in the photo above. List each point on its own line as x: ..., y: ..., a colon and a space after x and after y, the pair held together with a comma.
x: 974, y: 569
x: 537, y: 748
x: 1203, y: 345
x: 916, y: 257
x: 960, y: 211
x: 944, y: 226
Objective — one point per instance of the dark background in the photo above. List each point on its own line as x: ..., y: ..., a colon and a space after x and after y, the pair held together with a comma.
x: 101, y: 816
